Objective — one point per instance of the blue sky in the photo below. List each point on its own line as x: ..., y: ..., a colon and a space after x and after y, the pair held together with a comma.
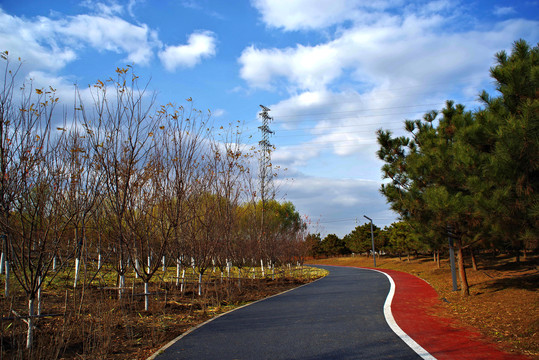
x: 332, y: 72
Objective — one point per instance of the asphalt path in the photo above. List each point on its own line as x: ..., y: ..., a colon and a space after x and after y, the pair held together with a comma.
x: 337, y: 317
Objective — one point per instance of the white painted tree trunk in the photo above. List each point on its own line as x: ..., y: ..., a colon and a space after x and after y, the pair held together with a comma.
x: 183, y: 280
x: 254, y: 273
x: 178, y: 266
x: 228, y: 269
x: 164, y: 263
x: 199, y: 284
x: 54, y: 263
x: 146, y: 296
x: 30, y: 333
x: 39, y: 296
x: 137, y: 268
x: 121, y: 286
x: 99, y: 261
x: 2, y: 263
x: 262, y: 267
x: 77, y: 266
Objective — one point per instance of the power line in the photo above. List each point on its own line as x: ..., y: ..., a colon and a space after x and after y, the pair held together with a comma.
x: 285, y: 115
x: 354, y: 111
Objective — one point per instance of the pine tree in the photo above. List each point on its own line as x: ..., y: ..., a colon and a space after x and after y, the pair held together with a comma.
x: 510, y: 179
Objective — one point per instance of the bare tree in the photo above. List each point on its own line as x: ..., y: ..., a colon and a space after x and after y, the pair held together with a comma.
x: 33, y: 218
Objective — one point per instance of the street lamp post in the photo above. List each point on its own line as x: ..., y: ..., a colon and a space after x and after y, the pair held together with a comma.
x: 372, y: 239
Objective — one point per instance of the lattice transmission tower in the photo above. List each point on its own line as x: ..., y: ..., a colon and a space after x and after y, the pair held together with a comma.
x: 265, y: 167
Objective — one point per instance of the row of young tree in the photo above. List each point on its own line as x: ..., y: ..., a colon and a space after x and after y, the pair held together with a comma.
x: 472, y: 174
x: 122, y: 183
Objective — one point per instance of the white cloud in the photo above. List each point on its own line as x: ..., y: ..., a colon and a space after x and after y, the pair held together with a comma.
x: 503, y: 10
x: 307, y: 67
x: 319, y: 14
x: 112, y: 34
x: 396, y: 52
x: 199, y: 45
x: 294, y: 156
x: 304, y: 14
x: 33, y: 42
x: 218, y: 112
x: 50, y: 44
x: 326, y: 201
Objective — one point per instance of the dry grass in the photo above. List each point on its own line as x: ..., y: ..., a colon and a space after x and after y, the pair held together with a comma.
x: 503, y: 297
x: 103, y: 327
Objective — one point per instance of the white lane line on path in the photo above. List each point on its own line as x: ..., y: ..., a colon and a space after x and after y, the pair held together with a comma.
x: 393, y: 324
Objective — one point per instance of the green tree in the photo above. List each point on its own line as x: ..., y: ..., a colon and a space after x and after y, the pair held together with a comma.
x: 360, y: 239
x: 508, y: 188
x: 313, y: 244
x: 332, y: 245
x: 403, y: 239
x: 473, y: 174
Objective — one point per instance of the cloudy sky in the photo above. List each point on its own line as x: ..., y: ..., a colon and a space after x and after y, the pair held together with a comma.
x: 331, y: 71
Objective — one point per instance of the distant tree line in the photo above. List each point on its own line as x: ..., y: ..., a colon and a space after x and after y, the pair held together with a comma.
x: 398, y: 239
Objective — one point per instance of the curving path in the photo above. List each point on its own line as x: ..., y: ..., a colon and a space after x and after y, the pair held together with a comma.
x: 340, y: 316
x: 337, y: 317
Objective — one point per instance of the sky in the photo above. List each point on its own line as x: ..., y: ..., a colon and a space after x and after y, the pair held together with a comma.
x: 331, y: 71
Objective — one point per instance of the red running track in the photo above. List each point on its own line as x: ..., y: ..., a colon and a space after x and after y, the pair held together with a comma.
x: 413, y: 306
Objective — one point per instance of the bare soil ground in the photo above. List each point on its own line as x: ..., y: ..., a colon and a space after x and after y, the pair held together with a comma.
x: 503, y: 301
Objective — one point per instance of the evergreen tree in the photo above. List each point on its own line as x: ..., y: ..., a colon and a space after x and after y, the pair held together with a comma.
x: 474, y: 175
x: 359, y: 240
x: 332, y: 245
x: 508, y: 190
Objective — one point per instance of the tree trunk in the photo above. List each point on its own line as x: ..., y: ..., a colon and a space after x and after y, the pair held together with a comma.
x: 183, y: 280
x: 464, y: 287
x: 177, y: 272
x: 146, y: 296
x: 30, y: 333
x: 136, y: 268
x: 239, y: 278
x: 39, y: 296
x: 438, y: 259
x: 474, y: 260
x: 6, y: 270
x: 121, y: 284
x: 77, y: 267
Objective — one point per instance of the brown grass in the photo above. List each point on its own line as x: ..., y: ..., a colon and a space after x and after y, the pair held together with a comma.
x: 104, y: 327
x: 503, y: 301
